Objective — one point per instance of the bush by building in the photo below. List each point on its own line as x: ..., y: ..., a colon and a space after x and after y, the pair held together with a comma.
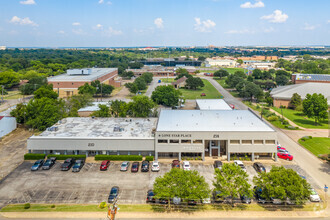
x: 149, y: 158
x: 64, y: 157
x: 31, y: 156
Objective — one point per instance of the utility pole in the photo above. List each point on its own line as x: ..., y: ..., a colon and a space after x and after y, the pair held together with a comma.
x: 2, y: 86
x: 101, y: 92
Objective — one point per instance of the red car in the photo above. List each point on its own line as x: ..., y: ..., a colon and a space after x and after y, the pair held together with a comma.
x: 279, y: 147
x: 203, y: 94
x: 135, y: 167
x: 285, y: 156
x: 105, y: 165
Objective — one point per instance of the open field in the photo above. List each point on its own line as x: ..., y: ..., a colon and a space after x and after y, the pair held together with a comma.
x: 233, y: 70
x: 167, y: 80
x: 317, y: 145
x: 208, y: 89
x: 300, y: 119
x: 12, y: 95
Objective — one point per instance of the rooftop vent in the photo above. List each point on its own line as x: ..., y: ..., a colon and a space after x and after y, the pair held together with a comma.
x: 79, y: 72
x: 54, y: 128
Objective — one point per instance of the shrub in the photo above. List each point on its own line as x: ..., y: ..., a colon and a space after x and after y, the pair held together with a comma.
x: 258, y: 107
x: 31, y: 156
x: 299, y: 108
x: 64, y: 157
x: 272, y: 118
x: 119, y: 157
x: 102, y: 205
x: 149, y: 158
x: 52, y: 206
x: 27, y: 205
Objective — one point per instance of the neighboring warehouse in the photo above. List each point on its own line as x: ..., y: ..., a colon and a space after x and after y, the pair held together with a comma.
x: 7, y: 125
x: 305, y: 78
x: 67, y: 84
x: 212, y: 104
x: 283, y: 94
x: 155, y: 70
x: 175, y: 134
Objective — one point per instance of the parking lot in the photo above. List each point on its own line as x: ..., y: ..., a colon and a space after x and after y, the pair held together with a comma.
x: 91, y: 185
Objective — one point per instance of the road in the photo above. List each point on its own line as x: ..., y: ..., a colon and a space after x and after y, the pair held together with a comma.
x: 154, y: 84
x: 318, y: 170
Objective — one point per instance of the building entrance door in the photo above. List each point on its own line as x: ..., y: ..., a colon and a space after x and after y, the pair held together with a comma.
x: 215, y: 152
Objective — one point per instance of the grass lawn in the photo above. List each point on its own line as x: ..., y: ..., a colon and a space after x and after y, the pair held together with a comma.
x: 12, y: 95
x: 208, y: 89
x: 233, y: 70
x: 167, y: 80
x: 300, y: 119
x: 317, y: 145
x: 157, y: 208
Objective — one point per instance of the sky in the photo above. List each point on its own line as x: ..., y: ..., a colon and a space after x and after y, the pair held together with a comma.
x: 130, y: 23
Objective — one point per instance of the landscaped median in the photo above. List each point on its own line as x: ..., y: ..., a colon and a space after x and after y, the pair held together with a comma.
x: 319, y: 146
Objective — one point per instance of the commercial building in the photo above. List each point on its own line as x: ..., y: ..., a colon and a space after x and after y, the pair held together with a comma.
x: 258, y: 65
x: 216, y: 61
x: 67, y: 84
x: 170, y: 62
x: 159, y: 71
x: 305, y: 78
x: 175, y: 134
x: 212, y: 104
x: 283, y: 94
x: 7, y: 125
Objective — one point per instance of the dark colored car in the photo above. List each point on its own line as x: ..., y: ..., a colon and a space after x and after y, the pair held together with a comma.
x: 192, y: 202
x: 135, y: 167
x: 150, y: 196
x: 49, y: 163
x: 217, y: 164
x: 257, y: 193
x: 68, y: 163
x: 259, y: 167
x: 217, y: 198
x: 105, y: 165
x: 37, y: 165
x: 163, y: 201
x: 114, y: 192
x: 78, y: 165
x: 246, y: 199
x: 145, y: 166
x: 176, y: 164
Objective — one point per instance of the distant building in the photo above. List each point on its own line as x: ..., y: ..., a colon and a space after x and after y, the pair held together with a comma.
x: 180, y: 82
x: 259, y: 58
x: 282, y: 95
x: 305, y: 78
x: 258, y: 65
x: 170, y: 62
x: 212, y: 104
x: 67, y: 84
x: 7, y: 125
x: 3, y: 47
x: 215, y: 61
x: 156, y: 70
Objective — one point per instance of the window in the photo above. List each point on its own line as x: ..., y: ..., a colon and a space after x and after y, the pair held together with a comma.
x: 176, y: 141
x: 185, y: 141
x: 197, y: 141
x: 161, y: 141
x: 246, y: 141
x: 234, y: 142
x: 270, y: 141
x: 258, y: 141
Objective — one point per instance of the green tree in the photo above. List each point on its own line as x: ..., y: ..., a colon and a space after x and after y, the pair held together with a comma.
x: 295, y: 101
x: 87, y: 89
x: 132, y: 87
x: 103, y: 111
x: 128, y: 74
x: 187, y: 185
x: 75, y: 102
x: 102, y: 88
x: 231, y: 181
x: 240, y: 73
x: 240, y: 61
x: 141, y: 106
x: 194, y: 83
x: 34, y: 84
x: 166, y: 95
x: 8, y: 79
x: 136, y: 65
x: 221, y: 73
x: 140, y: 83
x: 147, y: 77
x: 118, y: 108
x: 315, y: 106
x: 251, y: 90
x: 281, y: 80
x: 45, y: 91
x: 257, y: 74
x: 232, y: 80
x: 283, y: 184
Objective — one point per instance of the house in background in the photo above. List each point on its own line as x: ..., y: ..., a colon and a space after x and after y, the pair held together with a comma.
x: 180, y: 82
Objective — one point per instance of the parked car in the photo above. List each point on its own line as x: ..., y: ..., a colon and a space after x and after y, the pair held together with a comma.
x: 240, y: 164
x: 176, y: 200
x: 68, y: 163
x: 163, y: 201
x: 49, y: 163
x: 285, y: 156
x: 150, y: 196
x: 259, y: 167
x: 279, y: 147
x: 217, y: 164
x: 145, y: 166
x: 105, y: 165
x: 192, y: 201
x: 78, y: 165
x: 124, y: 166
x: 217, y: 198
x: 257, y: 193
x: 276, y: 201
x: 186, y: 165
x: 203, y: 94
x: 246, y: 199
x: 314, y: 197
x: 37, y: 165
x: 114, y: 192
x: 176, y: 164
x: 155, y: 166
x: 135, y: 167
x: 283, y: 151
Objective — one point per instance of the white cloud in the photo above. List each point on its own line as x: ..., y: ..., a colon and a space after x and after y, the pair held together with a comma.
x: 111, y: 32
x: 269, y: 30
x: 76, y: 24
x: 99, y: 26
x: 61, y: 32
x: 28, y: 2
x: 244, y: 31
x: 159, y: 22
x: 102, y: 1
x: 277, y: 17
x: 308, y: 27
x: 257, y: 4
x: 328, y: 21
x: 23, y: 21
x: 204, y: 26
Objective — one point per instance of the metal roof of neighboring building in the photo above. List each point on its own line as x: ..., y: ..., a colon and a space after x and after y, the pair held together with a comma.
x: 93, y: 74
x: 286, y: 92
x: 115, y: 128
x: 312, y: 77
x: 94, y: 107
x: 210, y: 120
x: 212, y: 104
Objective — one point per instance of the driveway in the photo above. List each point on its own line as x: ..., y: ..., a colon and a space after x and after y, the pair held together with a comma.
x: 318, y: 170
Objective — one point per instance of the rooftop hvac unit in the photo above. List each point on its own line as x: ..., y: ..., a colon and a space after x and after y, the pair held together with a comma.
x: 54, y: 128
x: 79, y: 72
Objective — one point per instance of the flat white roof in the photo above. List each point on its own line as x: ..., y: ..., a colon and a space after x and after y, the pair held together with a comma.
x: 116, y: 128
x: 95, y: 73
x: 212, y: 104
x: 210, y: 120
x: 93, y: 107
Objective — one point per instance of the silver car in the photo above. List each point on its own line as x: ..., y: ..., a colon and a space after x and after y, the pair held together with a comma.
x: 124, y: 166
